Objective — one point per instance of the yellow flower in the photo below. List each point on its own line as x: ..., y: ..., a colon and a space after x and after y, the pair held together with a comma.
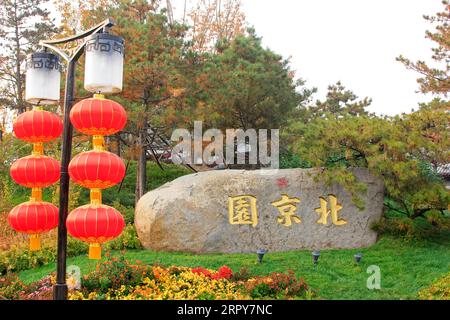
x: 92, y: 295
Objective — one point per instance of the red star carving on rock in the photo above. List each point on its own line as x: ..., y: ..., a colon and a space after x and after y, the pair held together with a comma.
x: 282, y: 182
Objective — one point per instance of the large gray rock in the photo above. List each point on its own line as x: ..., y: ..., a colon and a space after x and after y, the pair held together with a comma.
x: 192, y: 213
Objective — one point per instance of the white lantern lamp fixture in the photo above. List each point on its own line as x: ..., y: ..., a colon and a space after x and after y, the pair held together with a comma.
x: 43, y: 75
x: 104, y: 63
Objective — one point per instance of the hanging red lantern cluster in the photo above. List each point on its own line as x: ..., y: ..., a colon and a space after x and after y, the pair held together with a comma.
x: 36, y: 171
x: 96, y: 223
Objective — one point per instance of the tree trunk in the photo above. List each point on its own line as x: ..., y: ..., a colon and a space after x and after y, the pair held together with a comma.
x: 108, y: 146
x: 136, y: 189
x: 142, y: 163
x: 19, y: 86
x: 141, y: 172
x: 117, y: 136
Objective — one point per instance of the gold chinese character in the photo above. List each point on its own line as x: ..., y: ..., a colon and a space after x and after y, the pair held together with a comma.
x: 287, y: 206
x: 242, y: 210
x: 323, y: 211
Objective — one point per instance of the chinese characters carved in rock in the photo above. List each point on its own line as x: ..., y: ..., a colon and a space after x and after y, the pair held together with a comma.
x: 242, y: 209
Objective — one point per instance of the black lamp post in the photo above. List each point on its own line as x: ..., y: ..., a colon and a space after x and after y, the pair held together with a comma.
x: 106, y: 57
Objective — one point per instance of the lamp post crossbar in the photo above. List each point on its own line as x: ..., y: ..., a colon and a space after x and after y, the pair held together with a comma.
x: 108, y: 23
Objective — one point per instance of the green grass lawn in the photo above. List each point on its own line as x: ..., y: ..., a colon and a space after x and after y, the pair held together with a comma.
x: 406, y: 267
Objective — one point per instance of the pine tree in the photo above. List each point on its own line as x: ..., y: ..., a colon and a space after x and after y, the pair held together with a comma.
x: 248, y: 86
x: 340, y: 102
x: 434, y: 79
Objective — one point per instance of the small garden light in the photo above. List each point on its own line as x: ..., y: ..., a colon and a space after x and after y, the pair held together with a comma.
x: 261, y: 253
x: 358, y: 257
x: 315, y: 255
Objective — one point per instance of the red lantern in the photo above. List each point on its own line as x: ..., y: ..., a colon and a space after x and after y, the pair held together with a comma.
x: 35, y: 171
x: 96, y: 169
x: 33, y: 218
x: 37, y: 126
x: 95, y: 224
x: 98, y: 116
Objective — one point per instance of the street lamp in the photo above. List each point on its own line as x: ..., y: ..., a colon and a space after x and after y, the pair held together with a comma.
x: 103, y: 74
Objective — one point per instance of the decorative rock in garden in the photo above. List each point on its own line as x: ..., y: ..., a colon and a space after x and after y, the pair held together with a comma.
x: 243, y: 211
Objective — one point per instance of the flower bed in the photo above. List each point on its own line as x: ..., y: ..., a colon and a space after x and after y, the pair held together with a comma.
x: 116, y: 279
x: 11, y: 288
x: 172, y: 283
x: 439, y: 290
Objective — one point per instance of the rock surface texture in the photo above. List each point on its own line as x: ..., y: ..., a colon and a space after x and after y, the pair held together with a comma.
x: 243, y: 211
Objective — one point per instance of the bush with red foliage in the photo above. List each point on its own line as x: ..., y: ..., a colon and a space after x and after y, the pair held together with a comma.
x: 223, y: 272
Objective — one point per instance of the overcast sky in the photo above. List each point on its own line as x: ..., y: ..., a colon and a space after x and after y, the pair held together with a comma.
x: 355, y: 41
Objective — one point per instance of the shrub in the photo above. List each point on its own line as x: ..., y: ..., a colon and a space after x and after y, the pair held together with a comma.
x: 112, y: 274
x: 242, y: 275
x: 127, y: 212
x: 75, y: 247
x: 428, y: 227
x: 127, y: 240
x: 289, y: 159
x: 224, y: 272
x: 19, y: 257
x: 202, y: 271
x: 276, y: 285
x: 39, y: 290
x: 10, y: 287
x: 439, y: 290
